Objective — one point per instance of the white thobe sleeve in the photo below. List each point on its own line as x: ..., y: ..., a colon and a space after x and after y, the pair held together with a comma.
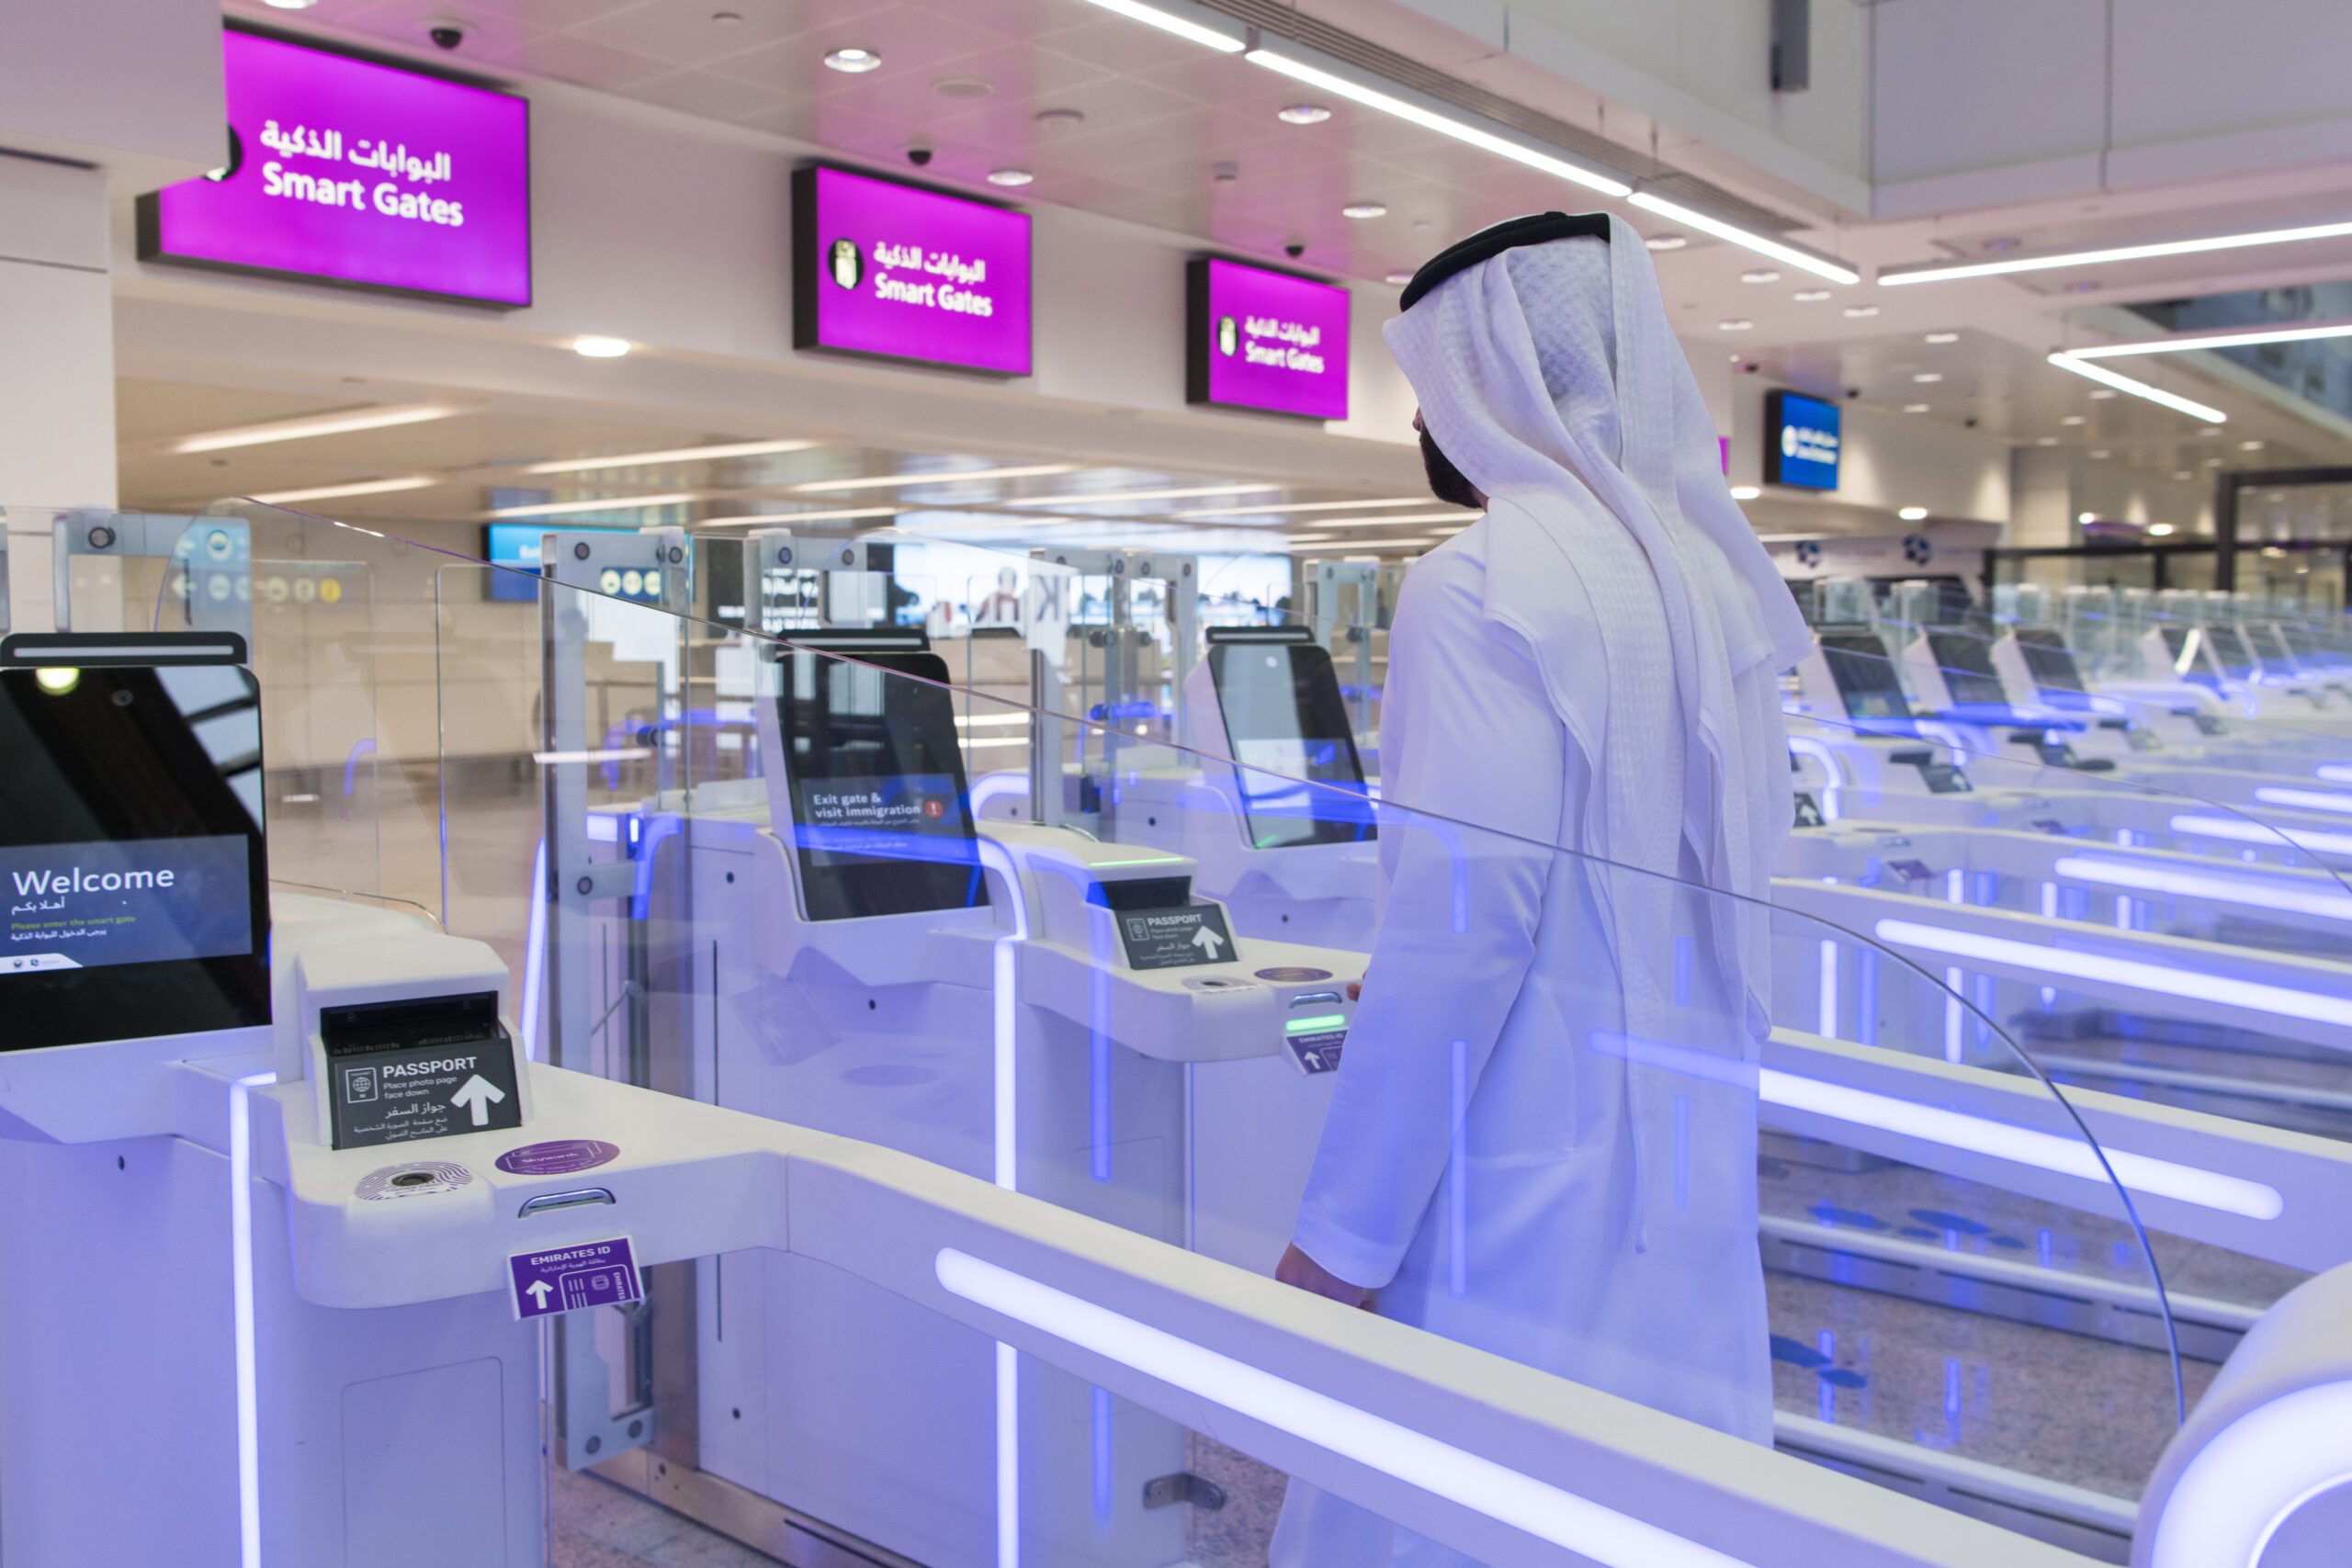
x: 1473, y: 764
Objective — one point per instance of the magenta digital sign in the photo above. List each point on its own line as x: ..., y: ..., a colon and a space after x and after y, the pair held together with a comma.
x: 1262, y: 339
x: 345, y: 171
x: 898, y: 272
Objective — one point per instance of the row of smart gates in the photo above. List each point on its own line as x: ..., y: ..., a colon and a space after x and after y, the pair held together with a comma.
x: 869, y: 1175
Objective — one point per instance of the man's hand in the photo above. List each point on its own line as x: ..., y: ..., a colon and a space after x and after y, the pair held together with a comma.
x: 1297, y: 1268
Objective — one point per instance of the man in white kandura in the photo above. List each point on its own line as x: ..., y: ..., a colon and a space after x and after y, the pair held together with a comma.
x: 1543, y: 1137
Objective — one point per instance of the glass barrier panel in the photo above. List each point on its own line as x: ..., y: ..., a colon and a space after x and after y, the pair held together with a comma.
x: 842, y: 942
x: 1838, y: 1207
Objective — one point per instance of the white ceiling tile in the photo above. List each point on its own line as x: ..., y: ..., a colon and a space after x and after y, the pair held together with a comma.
x: 684, y: 33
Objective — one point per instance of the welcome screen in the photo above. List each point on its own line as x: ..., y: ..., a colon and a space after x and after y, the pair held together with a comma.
x: 146, y: 901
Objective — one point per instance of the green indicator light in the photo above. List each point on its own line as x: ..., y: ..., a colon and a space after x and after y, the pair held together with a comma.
x: 1318, y: 1022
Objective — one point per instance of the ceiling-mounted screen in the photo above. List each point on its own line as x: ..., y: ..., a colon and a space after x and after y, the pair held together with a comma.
x: 1260, y: 339
x: 1800, y: 441
x: 898, y: 272
x: 349, y: 171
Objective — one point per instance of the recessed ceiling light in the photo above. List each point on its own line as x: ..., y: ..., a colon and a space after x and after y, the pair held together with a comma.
x: 2210, y: 430
x: 1303, y: 114
x: 1944, y: 337
x: 2045, y: 441
x: 2101, y: 452
x: 302, y: 429
x: 1915, y: 408
x: 2086, y: 516
x: 1926, y: 378
x: 594, y: 348
x: 1055, y: 120
x: 2183, y: 474
x: 1744, y: 492
x: 1400, y: 278
x: 2100, y: 394
x: 1010, y: 176
x: 1858, y: 312
x: 726, y: 18
x: 286, y: 5
x: 1365, y: 209
x: 2212, y: 462
x: 1666, y: 241
x: 2249, y: 446
x: 854, y: 60
x: 1913, y: 514
x: 1760, y: 275
x: 1810, y: 296
x: 2072, y: 419
x: 331, y: 492
x: 2159, y: 529
x: 1736, y: 324
x: 963, y: 87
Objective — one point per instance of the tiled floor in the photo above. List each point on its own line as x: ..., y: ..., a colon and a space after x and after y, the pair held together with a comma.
x: 598, y: 1525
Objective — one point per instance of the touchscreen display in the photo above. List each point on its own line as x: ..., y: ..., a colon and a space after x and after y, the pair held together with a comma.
x: 150, y: 901
x: 1865, y: 676
x: 1967, y: 665
x: 881, y: 820
x: 2236, y: 654
x: 133, y: 872
x: 1284, y: 714
x: 2052, y: 661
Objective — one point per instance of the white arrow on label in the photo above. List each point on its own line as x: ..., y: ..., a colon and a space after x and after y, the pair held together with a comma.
x: 1208, y: 942
x: 538, y: 1291
x: 478, y: 1094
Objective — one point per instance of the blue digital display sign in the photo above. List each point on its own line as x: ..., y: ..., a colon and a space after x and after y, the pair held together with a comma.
x: 517, y: 545
x: 1800, y: 441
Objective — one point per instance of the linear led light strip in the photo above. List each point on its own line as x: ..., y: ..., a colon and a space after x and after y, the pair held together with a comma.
x: 1429, y: 1464
x: 2252, y: 337
x: 2121, y: 383
x: 1935, y: 272
x: 2246, y: 890
x: 1303, y: 64
x: 2020, y: 1145
x: 2305, y: 799
x: 889, y: 481
x: 303, y: 429
x: 2255, y: 996
x: 334, y: 492
x: 2067, y: 1155
x: 2247, y: 832
x: 674, y: 455
x: 613, y: 503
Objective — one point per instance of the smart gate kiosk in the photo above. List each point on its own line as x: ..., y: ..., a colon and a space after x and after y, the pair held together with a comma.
x: 1024, y: 1004
x: 154, y: 1334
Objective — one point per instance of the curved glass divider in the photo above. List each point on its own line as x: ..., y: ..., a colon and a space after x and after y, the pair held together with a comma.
x: 836, y: 942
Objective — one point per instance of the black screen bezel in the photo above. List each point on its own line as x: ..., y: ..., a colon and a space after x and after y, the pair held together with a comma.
x: 1961, y: 658
x: 1316, y: 683
x: 1834, y: 644
x: 824, y: 895
x: 137, y: 777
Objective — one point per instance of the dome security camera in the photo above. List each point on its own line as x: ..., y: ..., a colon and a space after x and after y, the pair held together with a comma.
x: 446, y: 32
x: 920, y: 155
x: 1295, y: 249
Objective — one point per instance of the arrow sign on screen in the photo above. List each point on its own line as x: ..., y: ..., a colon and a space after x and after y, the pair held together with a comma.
x: 478, y: 1094
x: 1208, y: 942
x: 540, y: 1291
